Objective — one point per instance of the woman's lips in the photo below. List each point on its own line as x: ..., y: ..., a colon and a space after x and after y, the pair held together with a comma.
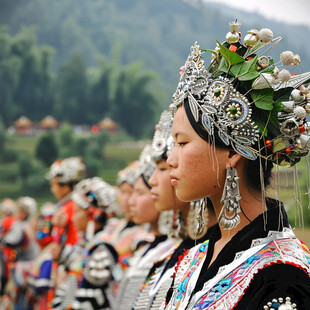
x: 173, y: 180
x: 154, y: 196
x: 132, y: 212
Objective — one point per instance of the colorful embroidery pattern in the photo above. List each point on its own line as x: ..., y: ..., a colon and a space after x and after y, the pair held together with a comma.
x: 226, y: 293
x: 199, y: 255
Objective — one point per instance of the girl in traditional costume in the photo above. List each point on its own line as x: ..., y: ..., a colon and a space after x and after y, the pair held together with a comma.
x: 63, y: 176
x: 233, y: 121
x: 89, y: 281
x: 179, y: 222
x: 124, y: 234
x: 143, y: 211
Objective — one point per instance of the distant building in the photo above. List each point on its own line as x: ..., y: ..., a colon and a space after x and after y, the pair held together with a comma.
x: 23, y: 126
x: 108, y: 125
x: 49, y: 123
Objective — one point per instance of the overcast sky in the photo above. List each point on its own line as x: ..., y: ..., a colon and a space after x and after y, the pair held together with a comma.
x: 290, y: 11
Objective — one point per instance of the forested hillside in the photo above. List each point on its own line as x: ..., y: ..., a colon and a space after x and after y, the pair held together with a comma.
x: 157, y: 34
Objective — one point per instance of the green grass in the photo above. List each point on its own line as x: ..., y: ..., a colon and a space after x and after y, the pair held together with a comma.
x: 116, y: 157
x: 22, y: 144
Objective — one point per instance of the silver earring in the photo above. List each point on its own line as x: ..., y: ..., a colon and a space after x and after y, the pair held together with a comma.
x: 165, y: 222
x: 178, y: 229
x: 229, y: 217
x: 197, y: 219
x: 90, y: 230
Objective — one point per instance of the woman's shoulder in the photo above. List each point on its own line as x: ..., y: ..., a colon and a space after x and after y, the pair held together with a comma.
x: 276, y: 285
x: 276, y: 266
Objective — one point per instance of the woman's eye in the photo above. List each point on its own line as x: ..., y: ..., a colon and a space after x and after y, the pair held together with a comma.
x: 180, y: 144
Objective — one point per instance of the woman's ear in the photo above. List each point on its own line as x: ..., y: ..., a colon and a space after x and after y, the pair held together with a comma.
x: 233, y: 159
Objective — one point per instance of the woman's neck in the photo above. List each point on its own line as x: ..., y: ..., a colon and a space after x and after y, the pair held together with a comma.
x: 251, y: 207
x: 184, y: 209
x: 154, y: 228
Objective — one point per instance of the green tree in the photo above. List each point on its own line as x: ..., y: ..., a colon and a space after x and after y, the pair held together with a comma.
x: 2, y: 136
x: 33, y: 93
x: 97, y: 145
x: 10, y: 66
x: 136, y: 101
x: 46, y: 149
x: 71, y: 89
x: 25, y: 77
x: 65, y: 135
x: 100, y: 102
x: 25, y: 167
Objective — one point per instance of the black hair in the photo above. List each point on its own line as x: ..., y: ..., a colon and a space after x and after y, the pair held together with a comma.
x: 71, y: 184
x: 253, y: 167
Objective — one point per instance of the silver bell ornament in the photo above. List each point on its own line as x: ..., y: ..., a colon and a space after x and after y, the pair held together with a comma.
x: 303, y: 143
x: 263, y: 61
x: 284, y: 75
x: 251, y: 38
x: 265, y: 35
x: 300, y: 112
x: 263, y: 81
x: 297, y: 96
x: 288, y: 106
x: 234, y: 26
x: 296, y: 59
x: 290, y: 128
x: 232, y: 37
x: 287, y: 58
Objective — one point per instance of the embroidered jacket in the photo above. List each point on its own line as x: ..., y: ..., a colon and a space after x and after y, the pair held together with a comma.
x: 90, y: 282
x: 139, y: 267
x: 246, y: 279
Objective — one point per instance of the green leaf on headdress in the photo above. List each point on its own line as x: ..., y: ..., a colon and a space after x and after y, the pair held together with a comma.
x: 263, y: 98
x: 223, y: 67
x: 245, y: 71
x: 210, y: 51
x: 261, y: 128
x: 231, y: 57
x: 278, y: 106
x: 243, y: 68
x: 251, y: 75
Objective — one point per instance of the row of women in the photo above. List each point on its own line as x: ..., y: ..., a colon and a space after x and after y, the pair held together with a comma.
x: 198, y: 230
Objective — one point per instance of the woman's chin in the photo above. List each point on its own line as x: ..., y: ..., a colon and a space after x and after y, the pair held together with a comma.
x: 188, y: 197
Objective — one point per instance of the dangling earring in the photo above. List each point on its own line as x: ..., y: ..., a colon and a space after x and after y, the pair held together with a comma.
x: 165, y: 222
x: 178, y: 228
x: 197, y: 219
x: 90, y: 230
x: 230, y: 199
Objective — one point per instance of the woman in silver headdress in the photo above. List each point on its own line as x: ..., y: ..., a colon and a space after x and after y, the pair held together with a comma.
x: 233, y: 121
x: 88, y: 281
x: 143, y: 211
x: 124, y: 234
x: 175, y: 216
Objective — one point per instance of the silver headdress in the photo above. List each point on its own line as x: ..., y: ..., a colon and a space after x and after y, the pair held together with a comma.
x: 96, y: 193
x: 270, y: 108
x: 163, y: 142
x: 68, y: 170
x: 146, y: 165
x: 128, y: 174
x: 28, y: 204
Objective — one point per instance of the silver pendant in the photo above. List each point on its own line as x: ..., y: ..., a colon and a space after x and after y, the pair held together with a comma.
x: 229, y: 217
x: 197, y: 219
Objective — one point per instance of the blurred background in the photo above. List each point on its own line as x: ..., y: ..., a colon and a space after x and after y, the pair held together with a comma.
x: 91, y: 78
